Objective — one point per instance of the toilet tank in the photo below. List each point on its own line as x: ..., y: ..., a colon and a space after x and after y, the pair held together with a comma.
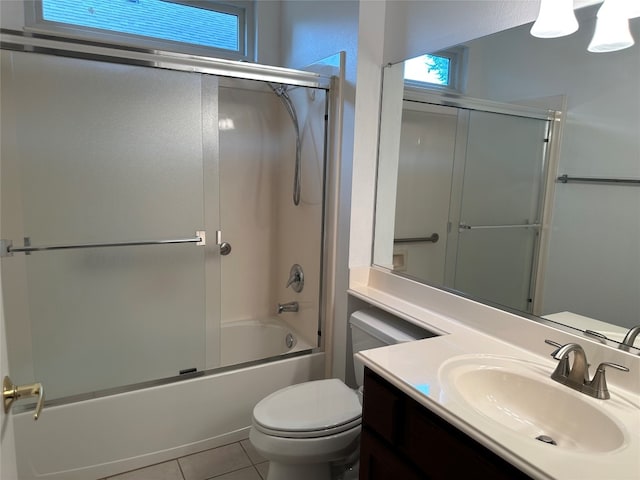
x: 372, y: 328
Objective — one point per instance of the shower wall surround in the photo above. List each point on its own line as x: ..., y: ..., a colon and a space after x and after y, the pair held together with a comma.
x: 267, y: 231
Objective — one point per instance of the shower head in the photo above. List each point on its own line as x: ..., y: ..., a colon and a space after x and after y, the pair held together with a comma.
x: 281, y: 92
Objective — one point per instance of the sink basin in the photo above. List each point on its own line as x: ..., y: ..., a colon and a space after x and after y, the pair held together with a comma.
x: 519, y: 396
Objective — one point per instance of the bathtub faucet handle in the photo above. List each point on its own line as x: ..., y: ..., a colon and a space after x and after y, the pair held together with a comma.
x: 296, y: 278
x: 288, y: 307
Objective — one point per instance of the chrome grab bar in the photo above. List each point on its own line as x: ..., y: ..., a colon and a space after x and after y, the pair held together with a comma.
x: 433, y: 239
x: 464, y: 226
x: 8, y: 249
x: 611, y: 181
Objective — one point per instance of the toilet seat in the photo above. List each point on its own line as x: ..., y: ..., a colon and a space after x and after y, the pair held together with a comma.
x: 309, y: 410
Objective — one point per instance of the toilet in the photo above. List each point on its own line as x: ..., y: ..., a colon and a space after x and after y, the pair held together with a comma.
x: 311, y: 431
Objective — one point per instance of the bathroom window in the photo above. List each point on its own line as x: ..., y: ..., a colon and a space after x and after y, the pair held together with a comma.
x: 202, y: 27
x: 442, y: 70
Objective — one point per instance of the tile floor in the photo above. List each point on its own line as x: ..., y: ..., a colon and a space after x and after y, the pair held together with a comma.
x: 236, y: 461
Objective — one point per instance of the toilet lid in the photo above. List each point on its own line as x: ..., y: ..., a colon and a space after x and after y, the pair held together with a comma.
x: 309, y: 409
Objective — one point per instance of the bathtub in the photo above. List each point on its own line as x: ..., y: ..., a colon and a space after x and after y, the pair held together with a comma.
x: 249, y: 340
x: 113, y: 434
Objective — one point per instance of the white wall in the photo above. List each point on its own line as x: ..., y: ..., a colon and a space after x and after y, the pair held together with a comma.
x: 12, y: 14
x: 268, y: 48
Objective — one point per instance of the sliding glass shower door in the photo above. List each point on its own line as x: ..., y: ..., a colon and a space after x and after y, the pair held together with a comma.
x: 106, y: 153
x: 498, y: 208
x: 469, y: 199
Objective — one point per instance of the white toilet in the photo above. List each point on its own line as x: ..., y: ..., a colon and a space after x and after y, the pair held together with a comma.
x: 311, y: 431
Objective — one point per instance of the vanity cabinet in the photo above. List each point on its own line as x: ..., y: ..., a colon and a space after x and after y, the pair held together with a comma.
x: 402, y: 439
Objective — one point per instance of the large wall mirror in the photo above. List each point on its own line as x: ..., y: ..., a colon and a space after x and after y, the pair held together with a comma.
x: 523, y: 189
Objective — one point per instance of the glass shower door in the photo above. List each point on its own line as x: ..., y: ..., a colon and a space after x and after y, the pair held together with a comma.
x: 97, y: 152
x: 500, y: 208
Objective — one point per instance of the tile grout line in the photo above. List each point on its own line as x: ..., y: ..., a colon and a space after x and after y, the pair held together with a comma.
x: 231, y: 471
x: 177, y: 460
x: 249, y: 456
x: 254, y: 465
x: 237, y: 469
x: 257, y: 471
x: 245, y: 452
x: 182, y: 474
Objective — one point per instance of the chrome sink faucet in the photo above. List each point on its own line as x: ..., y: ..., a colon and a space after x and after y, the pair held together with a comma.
x: 630, y: 338
x: 576, y: 375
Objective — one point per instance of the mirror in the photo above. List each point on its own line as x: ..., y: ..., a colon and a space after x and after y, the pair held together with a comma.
x: 471, y: 196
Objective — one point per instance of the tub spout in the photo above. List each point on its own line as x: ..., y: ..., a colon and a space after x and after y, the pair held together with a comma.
x: 288, y: 307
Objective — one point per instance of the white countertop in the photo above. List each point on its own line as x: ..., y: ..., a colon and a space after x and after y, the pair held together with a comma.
x: 415, y: 368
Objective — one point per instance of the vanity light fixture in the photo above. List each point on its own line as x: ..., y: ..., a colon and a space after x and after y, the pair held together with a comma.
x: 612, y: 28
x: 555, y: 19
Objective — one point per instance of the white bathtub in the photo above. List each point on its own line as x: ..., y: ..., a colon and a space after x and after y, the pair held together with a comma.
x: 104, y: 436
x: 248, y: 340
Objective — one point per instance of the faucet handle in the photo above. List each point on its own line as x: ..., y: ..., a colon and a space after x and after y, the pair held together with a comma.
x: 296, y: 278
x: 612, y: 365
x: 598, y: 386
x: 555, y: 353
x: 552, y: 343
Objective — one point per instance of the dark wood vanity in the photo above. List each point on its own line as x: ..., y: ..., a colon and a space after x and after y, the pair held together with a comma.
x: 402, y: 439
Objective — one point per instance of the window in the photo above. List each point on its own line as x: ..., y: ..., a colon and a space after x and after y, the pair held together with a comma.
x: 443, y: 70
x: 205, y: 27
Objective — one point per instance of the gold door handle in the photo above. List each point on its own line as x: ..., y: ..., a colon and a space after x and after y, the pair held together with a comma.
x: 11, y: 393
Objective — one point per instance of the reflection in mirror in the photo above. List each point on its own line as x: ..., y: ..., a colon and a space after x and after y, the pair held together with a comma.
x: 471, y: 195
